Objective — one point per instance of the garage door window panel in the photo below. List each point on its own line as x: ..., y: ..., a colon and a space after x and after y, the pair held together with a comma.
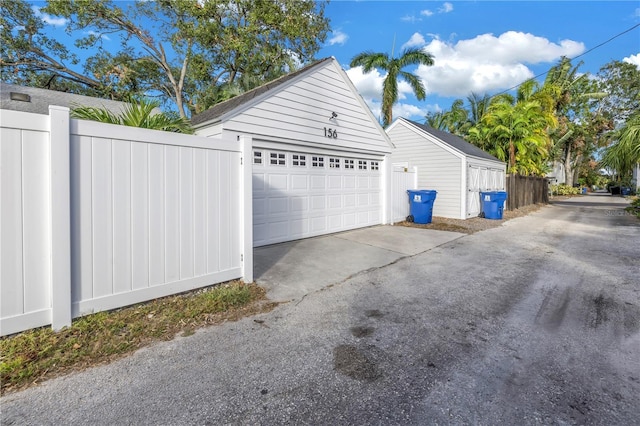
x: 299, y: 160
x: 277, y: 159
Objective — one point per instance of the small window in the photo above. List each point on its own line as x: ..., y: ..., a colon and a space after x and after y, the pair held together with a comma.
x: 277, y: 159
x: 334, y: 163
x: 299, y: 160
x: 375, y: 165
x: 362, y: 165
x: 317, y: 161
x: 348, y: 164
x: 257, y: 157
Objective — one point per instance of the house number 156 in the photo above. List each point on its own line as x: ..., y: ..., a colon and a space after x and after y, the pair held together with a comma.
x: 330, y: 133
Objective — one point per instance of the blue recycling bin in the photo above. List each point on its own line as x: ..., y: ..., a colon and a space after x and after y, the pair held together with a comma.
x: 421, y: 204
x: 493, y: 204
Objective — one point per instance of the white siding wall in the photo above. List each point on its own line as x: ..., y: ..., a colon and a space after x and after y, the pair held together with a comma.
x: 438, y: 168
x: 301, y: 112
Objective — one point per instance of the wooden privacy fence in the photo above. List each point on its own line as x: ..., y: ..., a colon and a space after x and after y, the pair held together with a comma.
x: 525, y: 190
x: 95, y: 216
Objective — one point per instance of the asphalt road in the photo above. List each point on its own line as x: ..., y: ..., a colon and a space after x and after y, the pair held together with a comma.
x: 534, y: 322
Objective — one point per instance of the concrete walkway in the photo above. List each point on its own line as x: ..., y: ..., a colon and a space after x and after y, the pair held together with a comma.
x: 291, y: 270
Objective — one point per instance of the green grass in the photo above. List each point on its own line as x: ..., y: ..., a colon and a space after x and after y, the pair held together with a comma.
x: 32, y: 356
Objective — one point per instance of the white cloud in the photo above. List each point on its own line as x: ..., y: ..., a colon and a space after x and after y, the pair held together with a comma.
x: 410, y: 18
x: 338, y: 37
x: 102, y: 36
x: 48, y: 19
x: 416, y: 40
x: 483, y: 64
x: 446, y: 8
x: 369, y: 85
x: 426, y: 12
x: 487, y: 63
x: 633, y: 59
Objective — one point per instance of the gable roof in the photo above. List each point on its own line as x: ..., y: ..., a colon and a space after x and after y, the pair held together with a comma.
x: 228, y: 106
x: 40, y: 99
x: 454, y: 141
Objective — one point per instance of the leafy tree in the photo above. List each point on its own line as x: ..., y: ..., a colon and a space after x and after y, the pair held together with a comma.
x: 620, y: 82
x: 186, y: 51
x: 143, y: 113
x: 458, y: 119
x: 394, y: 69
x: 29, y: 57
x: 437, y: 120
x: 515, y: 129
x: 624, y: 153
x: 573, y: 96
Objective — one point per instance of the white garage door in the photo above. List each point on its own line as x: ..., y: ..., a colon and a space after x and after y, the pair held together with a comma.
x: 299, y: 195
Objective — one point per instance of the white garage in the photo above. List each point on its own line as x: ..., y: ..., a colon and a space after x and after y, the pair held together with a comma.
x: 320, y: 160
x: 458, y: 170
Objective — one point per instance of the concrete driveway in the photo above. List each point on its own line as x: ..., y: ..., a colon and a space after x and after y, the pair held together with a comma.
x: 291, y: 270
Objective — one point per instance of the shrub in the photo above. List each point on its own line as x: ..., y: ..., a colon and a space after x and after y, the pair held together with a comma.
x: 563, y: 189
x: 634, y: 208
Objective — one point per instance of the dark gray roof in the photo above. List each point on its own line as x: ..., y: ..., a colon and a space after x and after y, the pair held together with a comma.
x: 222, y: 108
x: 42, y: 98
x: 456, y: 142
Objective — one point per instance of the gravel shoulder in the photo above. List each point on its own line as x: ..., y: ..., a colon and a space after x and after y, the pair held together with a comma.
x: 474, y: 224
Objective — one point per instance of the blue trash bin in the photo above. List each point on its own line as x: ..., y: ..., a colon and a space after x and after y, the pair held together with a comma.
x: 493, y: 204
x: 421, y: 204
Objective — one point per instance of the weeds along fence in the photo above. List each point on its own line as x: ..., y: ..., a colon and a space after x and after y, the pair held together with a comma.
x: 95, y: 216
x: 526, y: 190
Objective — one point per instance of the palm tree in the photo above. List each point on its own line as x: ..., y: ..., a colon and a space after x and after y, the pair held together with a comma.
x: 394, y: 69
x: 142, y: 113
x: 570, y: 92
x: 478, y: 107
x: 624, y: 154
x: 519, y: 129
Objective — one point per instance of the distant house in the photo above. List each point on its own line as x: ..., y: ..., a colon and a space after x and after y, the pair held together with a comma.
x: 37, y: 101
x: 556, y: 176
x: 447, y: 163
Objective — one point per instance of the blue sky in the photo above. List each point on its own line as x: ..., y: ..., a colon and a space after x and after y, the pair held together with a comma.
x: 480, y: 46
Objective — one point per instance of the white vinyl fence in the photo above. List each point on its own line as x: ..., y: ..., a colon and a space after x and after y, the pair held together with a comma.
x: 402, y: 180
x: 96, y: 216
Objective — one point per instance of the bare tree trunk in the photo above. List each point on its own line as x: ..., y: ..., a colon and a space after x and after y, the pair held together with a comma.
x: 568, y: 167
x: 512, y: 154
